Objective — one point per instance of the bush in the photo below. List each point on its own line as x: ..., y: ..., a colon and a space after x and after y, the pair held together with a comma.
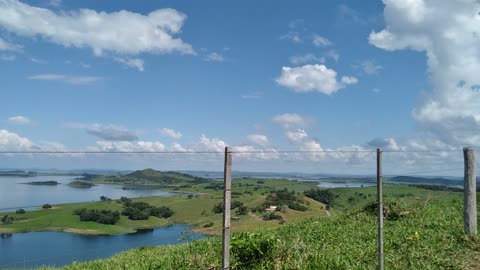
x: 210, y: 224
x: 190, y: 196
x: 236, y: 204
x: 272, y: 216
x: 143, y: 210
x: 250, y: 248
x: 297, y: 206
x: 326, y: 196
x: 20, y: 211
x: 100, y: 216
x: 46, y: 206
x: 7, y: 219
x: 218, y: 208
x: 242, y: 210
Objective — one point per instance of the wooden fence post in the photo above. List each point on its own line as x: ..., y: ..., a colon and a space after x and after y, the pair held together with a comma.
x: 380, y: 209
x: 227, y: 198
x: 470, y: 192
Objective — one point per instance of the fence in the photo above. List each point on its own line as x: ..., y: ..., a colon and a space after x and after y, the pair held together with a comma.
x: 470, y: 212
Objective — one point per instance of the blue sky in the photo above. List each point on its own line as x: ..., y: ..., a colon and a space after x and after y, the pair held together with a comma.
x: 291, y: 75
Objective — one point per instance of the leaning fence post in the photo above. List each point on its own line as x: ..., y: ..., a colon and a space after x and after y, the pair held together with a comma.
x: 227, y: 182
x: 380, y: 208
x: 469, y: 192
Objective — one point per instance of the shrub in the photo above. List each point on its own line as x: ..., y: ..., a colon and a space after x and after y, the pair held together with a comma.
x: 7, y: 219
x: 210, y: 224
x: 242, y: 210
x: 249, y: 248
x: 218, y: 208
x: 272, y: 216
x: 99, y: 216
x: 46, y: 206
x: 20, y: 211
x: 297, y: 206
x: 236, y: 204
x: 190, y: 196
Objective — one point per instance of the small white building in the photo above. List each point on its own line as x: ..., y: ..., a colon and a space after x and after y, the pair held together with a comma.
x: 271, y: 209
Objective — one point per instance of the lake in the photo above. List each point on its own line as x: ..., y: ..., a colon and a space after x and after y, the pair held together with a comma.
x: 58, y: 248
x: 15, y: 195
x: 35, y: 249
x: 345, y: 184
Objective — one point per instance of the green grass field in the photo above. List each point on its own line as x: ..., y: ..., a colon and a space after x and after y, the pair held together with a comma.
x: 428, y: 236
x: 196, y: 211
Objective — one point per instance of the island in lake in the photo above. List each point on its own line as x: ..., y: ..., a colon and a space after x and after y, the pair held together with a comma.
x: 81, y: 184
x: 43, y: 183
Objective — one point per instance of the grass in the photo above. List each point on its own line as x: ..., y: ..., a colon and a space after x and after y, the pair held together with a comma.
x: 196, y: 211
x: 430, y: 236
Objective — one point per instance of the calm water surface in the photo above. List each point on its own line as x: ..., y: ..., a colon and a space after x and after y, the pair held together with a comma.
x: 57, y: 248
x: 14, y: 194
x: 346, y: 184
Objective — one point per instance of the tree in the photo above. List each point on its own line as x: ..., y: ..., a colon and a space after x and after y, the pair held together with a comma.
x: 242, y: 210
x: 218, y: 208
x: 20, y: 211
x: 46, y: 206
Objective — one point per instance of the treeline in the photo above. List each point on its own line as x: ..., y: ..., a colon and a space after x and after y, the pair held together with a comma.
x: 325, y: 196
x: 282, y: 197
x: 99, y: 216
x: 241, y: 209
x: 132, y: 210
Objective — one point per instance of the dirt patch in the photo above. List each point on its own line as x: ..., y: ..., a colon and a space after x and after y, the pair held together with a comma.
x: 76, y: 231
x: 6, y: 230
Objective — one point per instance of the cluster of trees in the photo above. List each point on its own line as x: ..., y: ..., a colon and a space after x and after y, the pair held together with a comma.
x: 7, y: 219
x: 215, y: 186
x: 104, y: 198
x: 20, y: 211
x: 99, y: 216
x: 241, y: 209
x: 285, y: 197
x: 143, y: 210
x: 46, y: 206
x: 326, y: 196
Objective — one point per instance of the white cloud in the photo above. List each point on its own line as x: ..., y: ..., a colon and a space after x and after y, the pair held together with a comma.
x: 121, y: 32
x: 290, y: 120
x: 306, y: 58
x: 111, y: 132
x: 78, y: 80
x: 258, y: 139
x: 38, y: 61
x: 320, y: 41
x: 7, y: 46
x: 168, y: 132
x: 130, y: 146
x: 447, y: 31
x: 214, y: 57
x: 20, y: 120
x: 313, y: 78
x: 254, y: 95
x: 370, y: 67
x: 297, y: 135
x: 10, y: 141
x: 131, y: 62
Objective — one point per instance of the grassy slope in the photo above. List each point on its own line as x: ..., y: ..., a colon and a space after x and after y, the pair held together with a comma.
x: 345, y: 241
x: 195, y: 211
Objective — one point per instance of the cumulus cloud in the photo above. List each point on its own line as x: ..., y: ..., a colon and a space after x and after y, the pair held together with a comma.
x: 447, y: 32
x: 122, y: 32
x: 78, y: 80
x: 306, y: 58
x: 320, y: 41
x: 297, y: 135
x: 168, y: 132
x: 10, y: 141
x: 258, y: 139
x: 313, y: 78
x: 130, y: 146
x: 19, y: 120
x: 289, y: 120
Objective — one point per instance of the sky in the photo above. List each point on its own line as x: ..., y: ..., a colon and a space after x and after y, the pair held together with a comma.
x: 262, y: 76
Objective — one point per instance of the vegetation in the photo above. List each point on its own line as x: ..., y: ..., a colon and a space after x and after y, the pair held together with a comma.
x: 46, y: 206
x: 428, y: 236
x: 7, y: 219
x: 99, y: 216
x: 43, y: 183
x: 143, y: 210
x: 285, y: 197
x: 80, y: 184
x: 326, y: 196
x: 20, y: 211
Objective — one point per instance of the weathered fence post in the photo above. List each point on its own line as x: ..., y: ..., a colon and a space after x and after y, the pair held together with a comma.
x: 227, y: 182
x: 470, y: 192
x: 380, y: 209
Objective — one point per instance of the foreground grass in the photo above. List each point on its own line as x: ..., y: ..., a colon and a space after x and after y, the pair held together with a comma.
x: 429, y: 237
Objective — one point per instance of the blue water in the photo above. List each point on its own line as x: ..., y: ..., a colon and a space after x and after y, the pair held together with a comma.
x: 14, y: 194
x: 347, y: 184
x: 57, y: 248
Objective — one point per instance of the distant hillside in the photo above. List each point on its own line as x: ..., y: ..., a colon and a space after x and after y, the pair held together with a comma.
x: 423, y: 180
x: 18, y: 173
x: 151, y: 176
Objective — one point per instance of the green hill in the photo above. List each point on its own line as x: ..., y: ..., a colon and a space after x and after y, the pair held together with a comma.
x: 152, y: 177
